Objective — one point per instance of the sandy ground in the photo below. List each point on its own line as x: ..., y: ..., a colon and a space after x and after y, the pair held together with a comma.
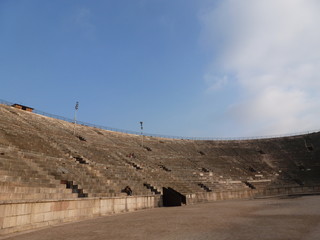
x: 276, y: 218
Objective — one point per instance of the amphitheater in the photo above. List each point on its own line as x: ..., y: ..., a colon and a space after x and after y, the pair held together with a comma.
x: 52, y: 174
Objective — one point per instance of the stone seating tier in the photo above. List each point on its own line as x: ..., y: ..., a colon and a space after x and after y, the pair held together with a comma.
x: 42, y: 152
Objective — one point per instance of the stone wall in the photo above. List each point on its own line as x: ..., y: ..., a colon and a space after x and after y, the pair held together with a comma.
x: 252, y: 193
x: 20, y: 216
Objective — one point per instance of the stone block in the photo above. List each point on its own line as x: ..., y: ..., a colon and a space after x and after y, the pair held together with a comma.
x: 106, y: 206
x: 58, y: 214
x: 85, y: 203
x: 3, y: 210
x: 55, y: 221
x: 73, y: 213
x: 39, y: 225
x: 48, y: 216
x: 85, y: 212
x: 6, y: 231
x: 1, y: 222
x: 60, y: 205
x: 23, y: 219
x: 9, y: 210
x: 73, y: 204
x: 41, y: 207
x: 96, y: 206
x: 37, y: 218
x: 24, y: 208
x: 118, y: 208
x: 9, y: 222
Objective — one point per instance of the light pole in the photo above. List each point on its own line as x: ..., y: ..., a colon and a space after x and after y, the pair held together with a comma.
x: 141, y: 125
x: 75, y: 117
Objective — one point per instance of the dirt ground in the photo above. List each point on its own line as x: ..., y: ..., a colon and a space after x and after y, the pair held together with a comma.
x: 274, y: 218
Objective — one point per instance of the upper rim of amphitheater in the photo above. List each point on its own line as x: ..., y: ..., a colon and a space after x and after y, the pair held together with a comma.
x: 170, y: 137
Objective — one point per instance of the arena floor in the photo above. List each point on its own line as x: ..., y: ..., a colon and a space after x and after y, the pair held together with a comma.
x: 274, y: 218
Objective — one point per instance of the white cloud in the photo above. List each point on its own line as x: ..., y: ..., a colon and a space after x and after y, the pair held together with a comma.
x: 272, y: 47
x: 214, y: 82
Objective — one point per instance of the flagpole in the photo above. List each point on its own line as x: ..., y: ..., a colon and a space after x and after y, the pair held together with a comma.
x: 75, y: 117
x: 141, y: 125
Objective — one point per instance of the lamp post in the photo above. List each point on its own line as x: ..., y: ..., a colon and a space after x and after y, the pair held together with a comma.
x: 141, y: 125
x: 75, y: 117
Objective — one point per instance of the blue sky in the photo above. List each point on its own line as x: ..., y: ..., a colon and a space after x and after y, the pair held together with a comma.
x: 195, y: 68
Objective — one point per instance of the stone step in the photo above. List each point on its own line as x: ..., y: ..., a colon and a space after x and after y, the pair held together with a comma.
x: 27, y: 189
x: 28, y: 182
x: 36, y: 196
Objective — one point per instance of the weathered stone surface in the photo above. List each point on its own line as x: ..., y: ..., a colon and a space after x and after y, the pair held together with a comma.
x: 36, y: 214
x: 263, y: 219
x: 40, y: 157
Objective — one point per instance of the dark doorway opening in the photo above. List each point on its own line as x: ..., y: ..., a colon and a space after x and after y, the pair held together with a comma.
x: 172, y: 198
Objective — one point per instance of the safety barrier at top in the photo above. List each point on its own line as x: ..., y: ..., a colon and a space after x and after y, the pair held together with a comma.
x: 160, y: 135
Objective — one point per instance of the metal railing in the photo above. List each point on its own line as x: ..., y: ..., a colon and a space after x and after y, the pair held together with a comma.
x: 161, y: 135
